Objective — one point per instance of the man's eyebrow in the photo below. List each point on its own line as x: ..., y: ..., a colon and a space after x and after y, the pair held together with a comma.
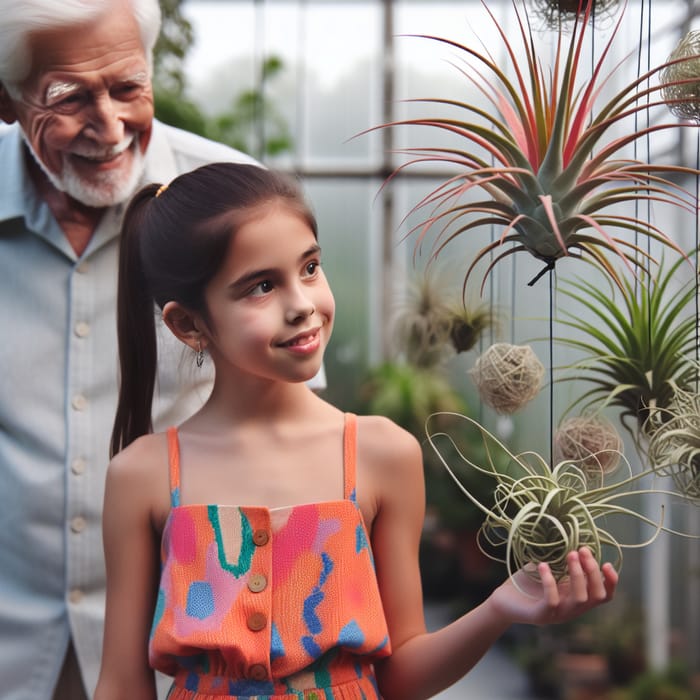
x: 58, y: 88
x: 140, y: 77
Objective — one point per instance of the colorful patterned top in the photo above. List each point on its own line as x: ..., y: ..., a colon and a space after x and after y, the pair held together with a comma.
x: 266, y: 603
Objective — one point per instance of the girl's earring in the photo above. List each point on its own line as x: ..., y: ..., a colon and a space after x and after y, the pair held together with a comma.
x: 199, y: 355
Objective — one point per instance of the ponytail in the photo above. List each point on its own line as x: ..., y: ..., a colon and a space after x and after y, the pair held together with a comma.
x: 136, y: 330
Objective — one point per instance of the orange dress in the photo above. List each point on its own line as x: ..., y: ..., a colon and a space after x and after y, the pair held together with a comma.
x: 260, y: 603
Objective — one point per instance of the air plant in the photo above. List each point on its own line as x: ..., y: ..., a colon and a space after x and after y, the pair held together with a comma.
x: 637, y: 350
x: 674, y: 446
x: 540, y: 513
x: 549, y: 177
x: 430, y: 326
x: 554, y: 12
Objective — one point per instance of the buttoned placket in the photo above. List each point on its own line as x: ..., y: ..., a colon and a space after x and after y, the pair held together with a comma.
x: 259, y: 595
x: 79, y: 421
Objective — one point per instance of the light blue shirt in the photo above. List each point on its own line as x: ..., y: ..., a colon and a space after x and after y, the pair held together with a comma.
x: 58, y: 382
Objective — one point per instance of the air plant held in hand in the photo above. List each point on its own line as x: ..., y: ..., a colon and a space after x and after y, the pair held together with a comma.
x: 540, y: 514
x: 551, y: 181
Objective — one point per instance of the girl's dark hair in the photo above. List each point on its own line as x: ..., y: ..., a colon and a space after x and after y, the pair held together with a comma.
x: 173, y: 242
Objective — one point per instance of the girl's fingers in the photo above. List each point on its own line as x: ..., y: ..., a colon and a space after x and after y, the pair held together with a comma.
x: 577, y: 579
x: 550, y: 590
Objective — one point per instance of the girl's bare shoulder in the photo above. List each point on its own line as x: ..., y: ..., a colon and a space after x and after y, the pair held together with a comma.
x: 384, y: 444
x: 142, y: 465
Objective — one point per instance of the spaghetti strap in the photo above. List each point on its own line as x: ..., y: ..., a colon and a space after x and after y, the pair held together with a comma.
x: 174, y: 466
x: 350, y: 456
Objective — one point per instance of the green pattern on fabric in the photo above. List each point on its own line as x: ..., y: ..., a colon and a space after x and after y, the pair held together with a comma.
x: 245, y: 556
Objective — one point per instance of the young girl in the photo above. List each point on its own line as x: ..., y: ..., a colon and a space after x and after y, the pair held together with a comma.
x: 268, y: 546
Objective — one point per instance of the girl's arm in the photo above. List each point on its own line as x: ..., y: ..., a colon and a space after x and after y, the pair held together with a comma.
x: 422, y: 664
x: 131, y: 557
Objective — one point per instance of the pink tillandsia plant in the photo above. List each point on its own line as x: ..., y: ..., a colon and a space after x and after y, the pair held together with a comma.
x: 551, y: 181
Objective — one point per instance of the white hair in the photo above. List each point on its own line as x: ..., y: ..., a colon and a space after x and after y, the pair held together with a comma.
x: 20, y: 18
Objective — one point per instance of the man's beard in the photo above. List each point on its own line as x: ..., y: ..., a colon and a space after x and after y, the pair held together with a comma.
x: 105, y: 188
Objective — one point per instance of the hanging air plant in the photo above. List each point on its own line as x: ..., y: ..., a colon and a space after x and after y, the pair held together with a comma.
x: 681, y: 78
x: 430, y: 327
x: 592, y: 443
x: 635, y: 349
x: 507, y: 376
x: 539, y: 513
x: 674, y: 447
x: 554, y: 12
x: 549, y: 179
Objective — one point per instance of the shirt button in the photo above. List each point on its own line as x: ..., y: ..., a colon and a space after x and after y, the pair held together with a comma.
x: 257, y: 621
x: 257, y: 672
x: 75, y: 596
x: 77, y: 524
x: 82, y: 268
x: 82, y: 329
x: 77, y: 466
x: 260, y: 537
x: 79, y: 402
x: 257, y: 583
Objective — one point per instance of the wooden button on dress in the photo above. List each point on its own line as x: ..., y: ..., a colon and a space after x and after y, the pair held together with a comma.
x: 257, y: 672
x: 261, y: 537
x: 257, y: 583
x: 257, y: 621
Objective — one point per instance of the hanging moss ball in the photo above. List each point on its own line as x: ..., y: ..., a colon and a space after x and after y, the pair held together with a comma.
x: 507, y: 376
x: 683, y: 99
x: 591, y: 442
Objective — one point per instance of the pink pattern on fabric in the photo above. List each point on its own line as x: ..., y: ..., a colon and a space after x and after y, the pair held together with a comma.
x: 183, y: 539
x: 289, y: 545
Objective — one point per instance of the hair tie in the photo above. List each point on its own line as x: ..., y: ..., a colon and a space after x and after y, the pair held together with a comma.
x: 160, y: 190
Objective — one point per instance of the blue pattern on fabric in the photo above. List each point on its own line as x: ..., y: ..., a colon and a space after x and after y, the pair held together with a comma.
x: 248, y: 688
x: 276, y: 644
x: 313, y: 624
x: 192, y: 682
x: 200, y: 600
x: 351, y: 635
x: 327, y: 568
x: 160, y: 609
x: 310, y: 647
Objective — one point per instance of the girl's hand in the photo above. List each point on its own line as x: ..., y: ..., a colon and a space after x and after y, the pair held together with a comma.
x: 546, y: 602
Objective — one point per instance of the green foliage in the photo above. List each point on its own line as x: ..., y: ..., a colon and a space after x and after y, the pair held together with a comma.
x: 639, y: 344
x: 175, y: 39
x: 253, y: 124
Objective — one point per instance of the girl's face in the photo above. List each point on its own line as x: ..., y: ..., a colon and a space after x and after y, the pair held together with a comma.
x: 270, y: 307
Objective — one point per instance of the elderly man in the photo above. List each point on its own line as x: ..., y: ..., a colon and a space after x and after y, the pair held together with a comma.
x: 75, y: 86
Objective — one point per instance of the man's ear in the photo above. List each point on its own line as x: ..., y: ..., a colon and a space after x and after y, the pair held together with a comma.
x: 184, y: 325
x: 7, y: 106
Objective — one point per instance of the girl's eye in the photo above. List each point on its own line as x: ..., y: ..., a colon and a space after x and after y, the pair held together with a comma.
x: 312, y: 268
x: 264, y: 287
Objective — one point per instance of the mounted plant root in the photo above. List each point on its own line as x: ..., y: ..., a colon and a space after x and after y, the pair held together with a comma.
x: 540, y: 514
